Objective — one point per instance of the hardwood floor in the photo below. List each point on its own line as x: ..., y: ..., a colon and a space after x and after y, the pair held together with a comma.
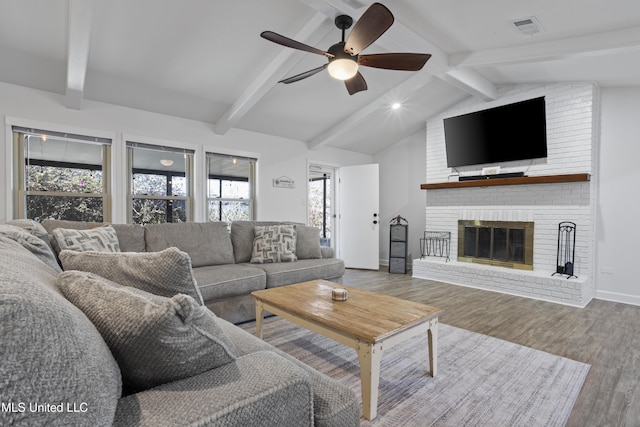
x: 604, y: 334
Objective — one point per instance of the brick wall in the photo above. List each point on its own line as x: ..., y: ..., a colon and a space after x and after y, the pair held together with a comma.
x: 572, y: 123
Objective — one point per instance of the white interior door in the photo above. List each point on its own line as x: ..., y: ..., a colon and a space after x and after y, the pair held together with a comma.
x: 359, y: 219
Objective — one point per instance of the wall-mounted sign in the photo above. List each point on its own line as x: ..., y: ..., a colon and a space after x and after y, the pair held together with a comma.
x: 284, y: 182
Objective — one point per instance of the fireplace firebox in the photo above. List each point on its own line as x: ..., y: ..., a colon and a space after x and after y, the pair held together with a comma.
x: 500, y: 243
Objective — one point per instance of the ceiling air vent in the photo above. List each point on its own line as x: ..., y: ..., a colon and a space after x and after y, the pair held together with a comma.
x: 527, y: 26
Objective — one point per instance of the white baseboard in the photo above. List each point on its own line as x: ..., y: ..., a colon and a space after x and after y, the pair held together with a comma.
x: 618, y: 297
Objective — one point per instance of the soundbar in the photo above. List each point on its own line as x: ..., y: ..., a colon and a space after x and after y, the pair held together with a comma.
x: 498, y: 175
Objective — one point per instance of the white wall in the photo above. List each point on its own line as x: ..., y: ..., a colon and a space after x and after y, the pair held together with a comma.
x: 277, y: 156
x: 402, y: 170
x: 618, y: 232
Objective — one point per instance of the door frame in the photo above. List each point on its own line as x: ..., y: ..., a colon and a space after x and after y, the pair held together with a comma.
x: 333, y: 220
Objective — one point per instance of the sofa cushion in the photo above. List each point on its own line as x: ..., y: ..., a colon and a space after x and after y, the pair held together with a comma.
x: 223, y: 281
x: 274, y: 243
x: 154, y: 339
x: 260, y: 389
x: 52, y: 224
x: 33, y: 244
x: 327, y: 252
x: 280, y: 274
x: 51, y: 352
x: 308, y: 242
x: 333, y: 403
x: 99, y: 239
x: 164, y: 273
x: 33, y: 227
x: 130, y: 237
x: 242, y: 238
x: 207, y: 243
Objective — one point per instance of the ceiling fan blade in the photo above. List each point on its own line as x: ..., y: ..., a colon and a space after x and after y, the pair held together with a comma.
x: 355, y: 84
x: 395, y: 61
x: 286, y: 41
x: 371, y: 25
x: 304, y: 75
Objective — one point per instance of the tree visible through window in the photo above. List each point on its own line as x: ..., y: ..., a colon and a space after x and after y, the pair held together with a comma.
x: 60, y: 176
x: 230, y: 186
x: 160, y: 178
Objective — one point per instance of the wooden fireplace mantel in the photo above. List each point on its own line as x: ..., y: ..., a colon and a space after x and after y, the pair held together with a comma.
x: 523, y: 180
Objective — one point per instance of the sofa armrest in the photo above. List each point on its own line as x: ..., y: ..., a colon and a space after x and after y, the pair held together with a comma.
x: 327, y: 252
x: 259, y: 388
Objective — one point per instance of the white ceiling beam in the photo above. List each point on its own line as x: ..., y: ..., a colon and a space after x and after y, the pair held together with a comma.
x: 613, y: 42
x: 471, y: 82
x: 411, y: 85
x: 265, y: 80
x: 79, y: 39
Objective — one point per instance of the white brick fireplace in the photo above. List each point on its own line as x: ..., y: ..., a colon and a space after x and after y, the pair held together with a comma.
x: 572, y: 134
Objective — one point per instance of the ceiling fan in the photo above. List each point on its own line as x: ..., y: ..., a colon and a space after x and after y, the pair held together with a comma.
x: 344, y: 56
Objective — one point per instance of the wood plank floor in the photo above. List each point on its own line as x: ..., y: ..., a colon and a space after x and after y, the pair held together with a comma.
x: 605, y: 335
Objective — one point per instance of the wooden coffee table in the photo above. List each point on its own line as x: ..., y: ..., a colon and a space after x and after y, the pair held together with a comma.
x: 367, y: 322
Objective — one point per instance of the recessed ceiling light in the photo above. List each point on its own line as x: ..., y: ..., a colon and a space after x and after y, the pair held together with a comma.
x: 396, y: 105
x: 166, y: 162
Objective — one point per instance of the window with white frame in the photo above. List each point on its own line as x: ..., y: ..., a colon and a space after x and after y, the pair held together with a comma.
x: 230, y: 187
x: 160, y: 183
x: 60, y: 176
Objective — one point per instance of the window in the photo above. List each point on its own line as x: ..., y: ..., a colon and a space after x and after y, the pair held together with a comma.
x: 230, y: 187
x: 161, y: 183
x: 320, y: 201
x: 61, y: 176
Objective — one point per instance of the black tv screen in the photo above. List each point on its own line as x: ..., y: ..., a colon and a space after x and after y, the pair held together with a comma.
x: 510, y: 132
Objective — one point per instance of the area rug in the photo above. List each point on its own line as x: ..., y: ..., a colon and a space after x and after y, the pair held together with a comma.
x: 481, y: 380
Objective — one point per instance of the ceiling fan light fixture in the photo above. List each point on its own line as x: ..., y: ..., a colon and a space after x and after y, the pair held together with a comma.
x: 166, y: 162
x: 342, y: 68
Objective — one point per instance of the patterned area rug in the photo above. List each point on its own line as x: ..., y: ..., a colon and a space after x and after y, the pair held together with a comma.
x: 481, y: 381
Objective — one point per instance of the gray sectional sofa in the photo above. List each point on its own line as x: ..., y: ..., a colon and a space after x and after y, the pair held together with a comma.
x: 58, y: 367
x: 221, y: 258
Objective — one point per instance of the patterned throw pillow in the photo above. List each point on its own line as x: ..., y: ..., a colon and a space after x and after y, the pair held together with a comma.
x: 165, y: 273
x: 154, y: 339
x: 274, y: 243
x: 99, y: 239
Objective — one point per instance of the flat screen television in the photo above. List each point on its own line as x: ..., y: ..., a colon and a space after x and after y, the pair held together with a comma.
x: 510, y: 132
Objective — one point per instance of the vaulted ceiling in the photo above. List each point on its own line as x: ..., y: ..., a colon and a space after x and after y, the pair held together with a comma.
x: 204, y: 60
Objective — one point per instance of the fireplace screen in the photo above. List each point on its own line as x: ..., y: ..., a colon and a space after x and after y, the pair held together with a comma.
x: 503, y: 243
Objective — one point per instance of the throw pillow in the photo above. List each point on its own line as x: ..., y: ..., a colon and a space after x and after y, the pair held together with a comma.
x: 100, y: 239
x: 308, y: 242
x: 165, y: 273
x: 33, y: 227
x: 155, y: 340
x: 33, y: 244
x: 274, y: 243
